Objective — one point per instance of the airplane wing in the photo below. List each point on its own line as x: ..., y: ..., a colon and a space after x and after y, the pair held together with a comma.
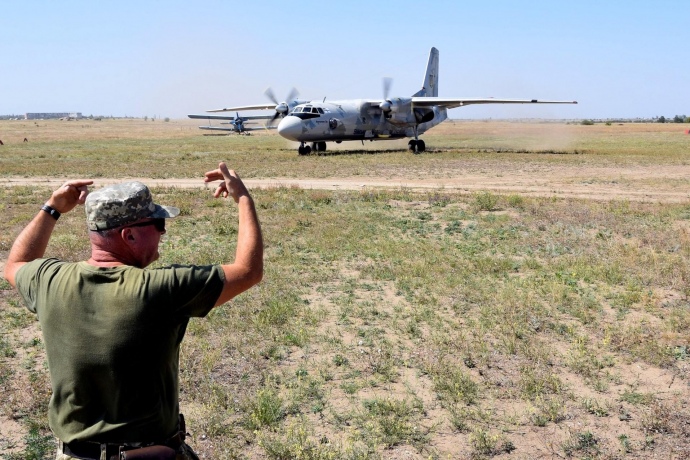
x: 246, y: 107
x: 450, y: 103
x: 220, y: 117
x: 221, y: 128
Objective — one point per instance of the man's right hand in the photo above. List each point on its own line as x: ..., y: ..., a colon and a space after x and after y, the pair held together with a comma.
x: 69, y: 195
x: 232, y: 185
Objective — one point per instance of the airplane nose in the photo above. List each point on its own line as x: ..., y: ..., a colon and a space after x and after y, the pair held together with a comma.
x: 290, y: 128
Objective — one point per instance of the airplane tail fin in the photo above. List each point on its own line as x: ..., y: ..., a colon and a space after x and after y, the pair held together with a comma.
x: 430, y: 88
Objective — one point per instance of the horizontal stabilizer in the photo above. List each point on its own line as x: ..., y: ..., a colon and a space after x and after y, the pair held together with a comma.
x: 217, y: 128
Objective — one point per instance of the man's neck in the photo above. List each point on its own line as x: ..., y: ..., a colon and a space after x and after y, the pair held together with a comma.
x: 104, y: 263
x: 104, y: 258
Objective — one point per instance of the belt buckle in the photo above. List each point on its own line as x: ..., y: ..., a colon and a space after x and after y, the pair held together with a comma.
x: 107, y: 449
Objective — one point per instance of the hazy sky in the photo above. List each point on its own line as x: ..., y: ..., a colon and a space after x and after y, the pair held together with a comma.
x: 170, y: 58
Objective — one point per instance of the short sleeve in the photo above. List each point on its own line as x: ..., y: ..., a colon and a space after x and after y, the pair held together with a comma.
x: 187, y: 290
x: 29, y: 276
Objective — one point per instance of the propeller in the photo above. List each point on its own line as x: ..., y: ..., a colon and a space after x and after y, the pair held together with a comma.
x: 239, y: 122
x: 386, y: 105
x: 282, y: 108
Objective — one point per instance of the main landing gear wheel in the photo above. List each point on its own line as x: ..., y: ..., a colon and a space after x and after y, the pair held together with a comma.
x: 416, y: 146
x: 318, y: 146
x: 304, y: 150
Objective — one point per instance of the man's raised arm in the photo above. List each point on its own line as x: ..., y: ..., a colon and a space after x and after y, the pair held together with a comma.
x: 32, y: 242
x: 248, y: 267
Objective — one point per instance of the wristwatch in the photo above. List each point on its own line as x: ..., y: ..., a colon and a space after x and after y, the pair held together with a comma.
x: 54, y: 213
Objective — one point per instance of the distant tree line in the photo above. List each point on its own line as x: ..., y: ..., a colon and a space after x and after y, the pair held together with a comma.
x: 676, y: 119
x: 609, y: 121
x: 90, y: 117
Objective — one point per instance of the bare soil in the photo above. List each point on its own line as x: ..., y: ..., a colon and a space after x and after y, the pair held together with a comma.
x: 632, y: 182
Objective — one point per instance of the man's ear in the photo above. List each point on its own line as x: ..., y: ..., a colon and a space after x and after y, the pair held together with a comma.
x: 127, y: 234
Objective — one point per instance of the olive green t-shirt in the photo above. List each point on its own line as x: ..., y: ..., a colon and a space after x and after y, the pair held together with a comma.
x: 112, y: 336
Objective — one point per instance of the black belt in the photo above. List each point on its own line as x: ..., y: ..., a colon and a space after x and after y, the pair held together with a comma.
x: 89, y: 450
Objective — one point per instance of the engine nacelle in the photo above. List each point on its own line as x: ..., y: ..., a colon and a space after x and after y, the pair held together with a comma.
x: 400, y: 110
x: 423, y: 115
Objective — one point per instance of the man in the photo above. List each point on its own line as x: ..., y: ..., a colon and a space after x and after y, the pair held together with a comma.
x: 112, y: 328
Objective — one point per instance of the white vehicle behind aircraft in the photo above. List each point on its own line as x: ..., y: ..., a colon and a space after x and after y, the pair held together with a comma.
x: 317, y: 122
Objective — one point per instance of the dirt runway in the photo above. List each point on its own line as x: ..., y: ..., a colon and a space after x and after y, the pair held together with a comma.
x: 667, y: 184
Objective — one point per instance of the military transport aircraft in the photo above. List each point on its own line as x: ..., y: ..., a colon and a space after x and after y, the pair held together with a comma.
x: 237, y: 123
x: 317, y: 122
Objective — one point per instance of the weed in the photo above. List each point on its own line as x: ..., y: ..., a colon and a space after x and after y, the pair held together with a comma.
x: 392, y: 423
x: 296, y: 443
x: 486, y: 444
x: 595, y: 407
x: 340, y: 360
x: 584, y: 444
x: 548, y: 409
x: 266, y: 409
x: 516, y: 201
x: 39, y: 445
x: 537, y: 382
x: 486, y: 201
x: 657, y: 418
x: 453, y: 386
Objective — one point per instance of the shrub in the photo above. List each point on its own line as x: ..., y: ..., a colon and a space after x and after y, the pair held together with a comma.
x: 486, y: 201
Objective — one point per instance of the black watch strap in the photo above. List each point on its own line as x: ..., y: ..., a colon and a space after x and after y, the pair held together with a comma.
x: 54, y: 213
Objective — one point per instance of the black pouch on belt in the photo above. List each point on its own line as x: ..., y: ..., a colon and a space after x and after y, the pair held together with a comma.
x: 150, y: 453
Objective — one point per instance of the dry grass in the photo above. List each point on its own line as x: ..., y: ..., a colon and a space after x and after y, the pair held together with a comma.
x: 126, y: 148
x: 394, y: 324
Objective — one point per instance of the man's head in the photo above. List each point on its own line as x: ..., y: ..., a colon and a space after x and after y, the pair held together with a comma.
x: 126, y: 225
x: 122, y: 204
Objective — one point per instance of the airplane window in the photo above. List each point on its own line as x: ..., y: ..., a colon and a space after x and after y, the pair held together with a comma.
x: 320, y: 110
x: 297, y: 110
x: 314, y: 110
x: 307, y: 109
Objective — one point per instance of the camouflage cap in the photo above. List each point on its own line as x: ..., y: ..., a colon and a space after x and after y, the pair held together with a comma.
x: 122, y: 204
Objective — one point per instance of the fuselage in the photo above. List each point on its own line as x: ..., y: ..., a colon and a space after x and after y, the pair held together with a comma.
x: 356, y: 119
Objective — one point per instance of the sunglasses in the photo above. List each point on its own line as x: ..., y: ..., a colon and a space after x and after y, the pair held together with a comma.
x: 159, y: 223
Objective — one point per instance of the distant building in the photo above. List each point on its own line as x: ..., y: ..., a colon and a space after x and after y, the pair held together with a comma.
x: 39, y: 116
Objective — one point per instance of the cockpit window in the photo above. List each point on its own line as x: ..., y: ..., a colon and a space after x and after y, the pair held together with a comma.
x: 307, y: 109
x: 320, y: 110
x: 297, y: 110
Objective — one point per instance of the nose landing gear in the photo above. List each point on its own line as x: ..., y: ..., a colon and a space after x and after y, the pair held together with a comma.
x: 319, y: 146
x: 315, y: 146
x: 303, y: 149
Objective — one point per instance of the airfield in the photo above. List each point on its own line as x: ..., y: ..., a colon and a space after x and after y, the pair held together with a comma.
x: 519, y: 290
x: 633, y: 161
